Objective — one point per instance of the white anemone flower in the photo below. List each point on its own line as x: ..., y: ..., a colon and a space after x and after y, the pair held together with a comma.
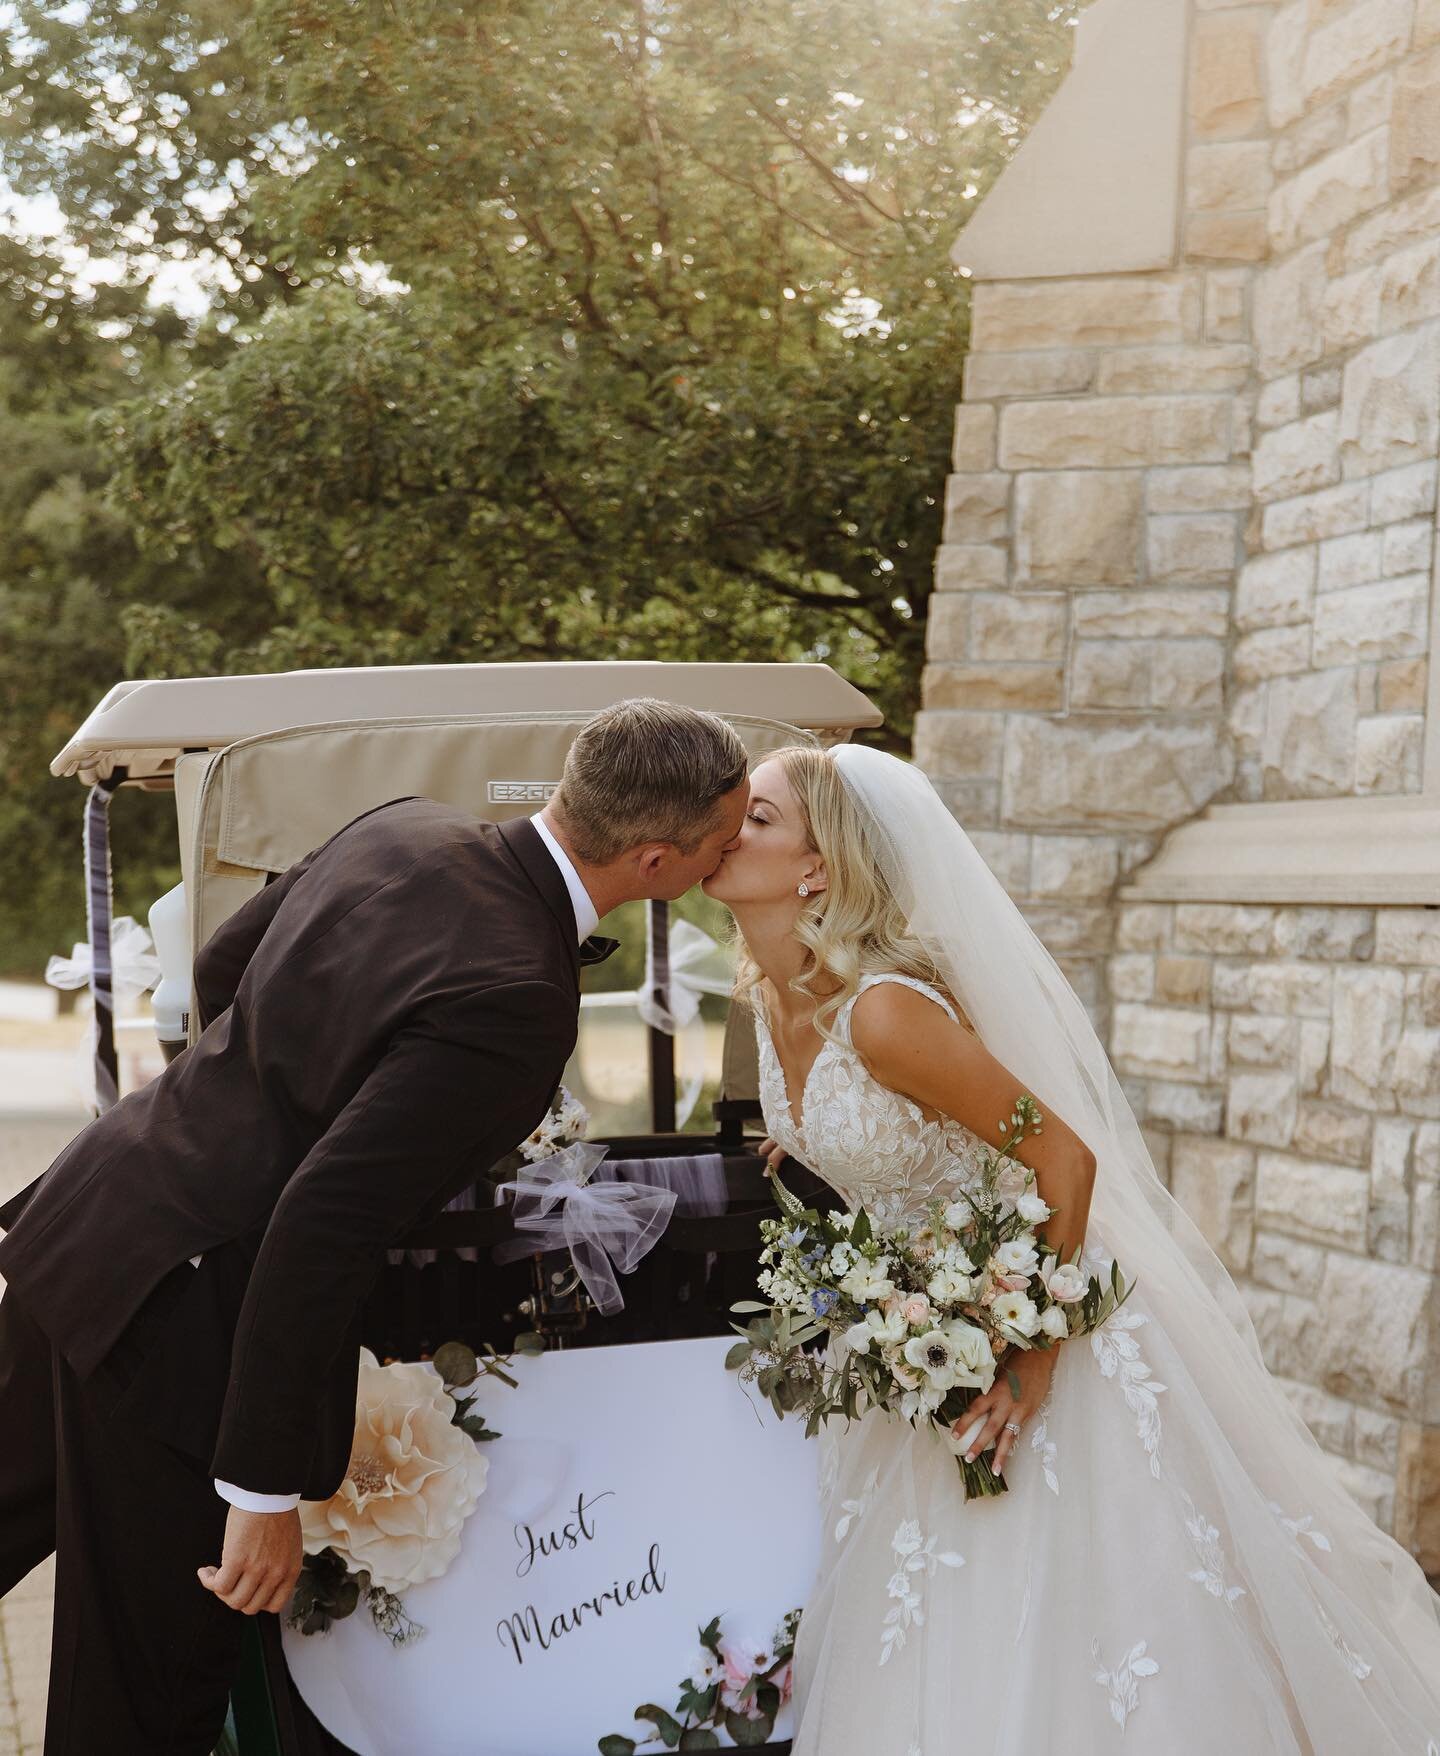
x: 947, y: 1287
x: 869, y: 1282
x: 1016, y: 1313
x: 974, y: 1357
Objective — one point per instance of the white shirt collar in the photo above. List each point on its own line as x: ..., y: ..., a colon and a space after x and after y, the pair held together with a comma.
x: 586, y: 919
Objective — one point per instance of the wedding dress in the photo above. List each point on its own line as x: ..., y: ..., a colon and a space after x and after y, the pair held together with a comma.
x: 1155, y: 1580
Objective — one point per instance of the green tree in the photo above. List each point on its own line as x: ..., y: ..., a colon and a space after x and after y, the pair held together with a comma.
x: 547, y: 328
x: 69, y: 567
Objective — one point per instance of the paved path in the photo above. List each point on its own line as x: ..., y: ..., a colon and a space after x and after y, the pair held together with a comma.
x: 27, y: 1145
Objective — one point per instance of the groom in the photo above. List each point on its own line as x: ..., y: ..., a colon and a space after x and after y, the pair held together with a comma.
x: 381, y: 1022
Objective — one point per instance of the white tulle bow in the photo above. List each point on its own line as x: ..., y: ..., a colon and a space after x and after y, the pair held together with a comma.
x: 134, y: 967
x: 604, y: 1226
x: 698, y: 965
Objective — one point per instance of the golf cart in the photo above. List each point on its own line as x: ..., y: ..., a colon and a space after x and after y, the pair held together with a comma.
x: 263, y: 769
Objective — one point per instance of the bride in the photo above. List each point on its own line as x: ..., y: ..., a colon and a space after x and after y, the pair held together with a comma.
x: 1174, y: 1568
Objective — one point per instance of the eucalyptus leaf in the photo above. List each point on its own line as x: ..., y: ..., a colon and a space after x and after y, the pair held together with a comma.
x: 748, y: 1734
x: 667, y: 1727
x: 456, y: 1363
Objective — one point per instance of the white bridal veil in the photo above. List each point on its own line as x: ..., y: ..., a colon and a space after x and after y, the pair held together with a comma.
x: 1232, y: 1439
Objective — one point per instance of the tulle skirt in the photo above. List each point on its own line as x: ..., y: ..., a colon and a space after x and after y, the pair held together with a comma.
x: 1148, y: 1583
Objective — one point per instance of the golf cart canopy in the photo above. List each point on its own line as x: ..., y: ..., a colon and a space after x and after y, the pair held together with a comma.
x: 144, y: 727
x: 266, y: 768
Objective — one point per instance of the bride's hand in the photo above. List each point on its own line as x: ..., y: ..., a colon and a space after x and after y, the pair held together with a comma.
x: 773, y: 1154
x: 1033, y: 1368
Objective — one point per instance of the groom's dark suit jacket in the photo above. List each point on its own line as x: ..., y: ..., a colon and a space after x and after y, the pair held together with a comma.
x: 381, y: 1023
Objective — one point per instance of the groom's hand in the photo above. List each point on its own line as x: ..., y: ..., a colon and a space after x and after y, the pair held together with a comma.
x: 261, y: 1562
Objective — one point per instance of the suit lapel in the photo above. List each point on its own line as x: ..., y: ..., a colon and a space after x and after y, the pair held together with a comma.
x: 523, y: 840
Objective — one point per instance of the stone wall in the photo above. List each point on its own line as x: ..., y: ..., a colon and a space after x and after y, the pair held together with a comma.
x: 1178, y: 687
x: 1073, y: 705
x: 1332, y: 608
x: 1288, y: 1062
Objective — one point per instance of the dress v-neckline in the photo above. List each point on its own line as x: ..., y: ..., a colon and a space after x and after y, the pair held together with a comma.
x: 796, y: 1118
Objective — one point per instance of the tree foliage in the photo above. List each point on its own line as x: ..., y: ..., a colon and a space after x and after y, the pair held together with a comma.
x: 540, y: 329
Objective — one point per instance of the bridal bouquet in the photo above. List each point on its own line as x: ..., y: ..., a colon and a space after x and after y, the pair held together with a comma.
x: 922, y: 1315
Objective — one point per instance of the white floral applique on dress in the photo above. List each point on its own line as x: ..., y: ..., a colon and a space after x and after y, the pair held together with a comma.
x: 915, y: 1561
x: 1123, y: 1682
x: 877, y: 1147
x: 1358, y: 1667
x: 1301, y: 1527
x: 1211, y: 1571
x: 1041, y: 1442
x: 856, y: 1508
x: 1117, y: 1353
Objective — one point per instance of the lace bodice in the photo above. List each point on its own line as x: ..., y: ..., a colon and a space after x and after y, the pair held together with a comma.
x: 872, y: 1145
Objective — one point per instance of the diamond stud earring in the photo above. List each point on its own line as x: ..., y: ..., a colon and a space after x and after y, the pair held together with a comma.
x: 802, y: 890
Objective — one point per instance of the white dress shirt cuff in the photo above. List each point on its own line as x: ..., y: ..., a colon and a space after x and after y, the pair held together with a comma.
x: 248, y: 1502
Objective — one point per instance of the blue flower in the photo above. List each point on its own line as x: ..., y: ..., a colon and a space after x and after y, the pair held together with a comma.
x: 823, y: 1301
x: 792, y: 1239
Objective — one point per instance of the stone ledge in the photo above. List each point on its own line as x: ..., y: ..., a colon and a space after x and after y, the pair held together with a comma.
x: 1312, y: 850
x: 1094, y: 187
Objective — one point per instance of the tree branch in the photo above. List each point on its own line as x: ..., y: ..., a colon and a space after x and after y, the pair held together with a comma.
x: 854, y: 193
x: 842, y: 244
x: 851, y: 610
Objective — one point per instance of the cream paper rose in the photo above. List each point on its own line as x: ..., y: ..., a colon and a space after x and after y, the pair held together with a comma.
x: 413, y: 1480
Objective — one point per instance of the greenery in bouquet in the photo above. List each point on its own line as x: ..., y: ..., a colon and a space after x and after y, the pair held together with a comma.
x: 414, y: 1478
x: 735, y: 1689
x: 919, y: 1316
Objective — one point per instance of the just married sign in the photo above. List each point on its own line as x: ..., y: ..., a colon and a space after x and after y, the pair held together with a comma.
x: 634, y: 1495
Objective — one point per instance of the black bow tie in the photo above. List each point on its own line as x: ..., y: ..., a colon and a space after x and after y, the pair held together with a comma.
x: 596, y: 949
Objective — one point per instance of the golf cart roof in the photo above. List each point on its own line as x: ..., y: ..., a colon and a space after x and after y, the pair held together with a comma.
x: 143, y: 727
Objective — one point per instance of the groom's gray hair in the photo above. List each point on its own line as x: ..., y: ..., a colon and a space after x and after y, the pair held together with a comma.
x: 646, y: 770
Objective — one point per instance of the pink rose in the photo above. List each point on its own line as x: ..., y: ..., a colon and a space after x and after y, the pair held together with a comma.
x: 740, y: 1665
x: 737, y: 1666
x: 784, y: 1680
x: 916, y: 1309
x: 1013, y: 1283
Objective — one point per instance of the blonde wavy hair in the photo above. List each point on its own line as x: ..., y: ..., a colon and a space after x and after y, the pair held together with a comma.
x: 855, y: 926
